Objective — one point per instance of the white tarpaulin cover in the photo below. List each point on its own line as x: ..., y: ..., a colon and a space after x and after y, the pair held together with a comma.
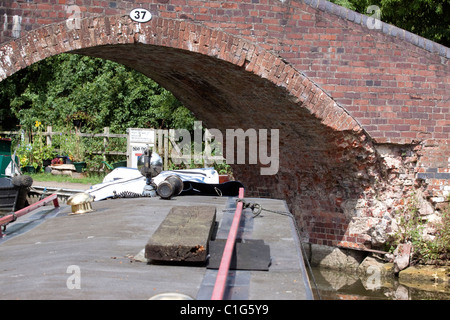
x: 122, y: 180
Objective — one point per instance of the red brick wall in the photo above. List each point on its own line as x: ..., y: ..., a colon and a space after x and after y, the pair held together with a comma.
x: 395, y: 88
x: 392, y: 84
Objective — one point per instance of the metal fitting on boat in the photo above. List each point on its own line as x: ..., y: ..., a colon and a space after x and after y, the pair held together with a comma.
x: 81, y: 203
x: 171, y: 186
x: 171, y: 296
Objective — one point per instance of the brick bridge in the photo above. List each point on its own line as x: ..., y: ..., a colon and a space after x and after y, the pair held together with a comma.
x: 362, y: 107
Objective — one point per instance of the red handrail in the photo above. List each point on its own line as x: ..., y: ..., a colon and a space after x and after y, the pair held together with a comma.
x: 12, y: 217
x: 224, y: 267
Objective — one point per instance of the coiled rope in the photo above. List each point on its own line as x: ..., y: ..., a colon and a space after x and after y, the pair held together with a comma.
x: 127, y: 194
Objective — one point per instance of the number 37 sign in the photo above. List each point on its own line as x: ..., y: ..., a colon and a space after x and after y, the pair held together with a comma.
x: 140, y: 15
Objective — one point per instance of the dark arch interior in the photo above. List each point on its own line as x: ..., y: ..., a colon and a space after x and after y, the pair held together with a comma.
x: 219, y: 93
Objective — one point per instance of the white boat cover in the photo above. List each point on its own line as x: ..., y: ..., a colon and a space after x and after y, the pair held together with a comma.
x: 130, y: 180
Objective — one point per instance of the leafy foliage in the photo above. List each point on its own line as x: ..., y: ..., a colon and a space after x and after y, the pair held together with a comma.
x: 412, y: 228
x: 427, y: 18
x: 34, y: 152
x: 68, y: 91
x: 108, y: 94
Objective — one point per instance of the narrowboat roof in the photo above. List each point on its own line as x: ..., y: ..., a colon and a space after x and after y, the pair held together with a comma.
x: 53, y: 254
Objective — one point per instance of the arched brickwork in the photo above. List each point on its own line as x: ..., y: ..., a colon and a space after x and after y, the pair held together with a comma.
x: 101, y: 33
x: 363, y: 114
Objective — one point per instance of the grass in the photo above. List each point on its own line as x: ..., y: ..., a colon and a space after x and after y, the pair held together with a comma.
x: 91, y: 180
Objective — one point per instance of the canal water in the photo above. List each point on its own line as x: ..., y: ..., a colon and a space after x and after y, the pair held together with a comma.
x: 338, y: 285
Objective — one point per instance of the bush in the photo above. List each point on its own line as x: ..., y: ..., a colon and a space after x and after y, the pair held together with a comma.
x: 411, y: 228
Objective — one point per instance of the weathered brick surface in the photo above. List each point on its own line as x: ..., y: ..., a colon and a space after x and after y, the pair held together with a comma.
x: 336, y: 89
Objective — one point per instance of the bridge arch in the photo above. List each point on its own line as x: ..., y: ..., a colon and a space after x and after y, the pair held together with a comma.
x: 327, y: 161
x: 95, y: 36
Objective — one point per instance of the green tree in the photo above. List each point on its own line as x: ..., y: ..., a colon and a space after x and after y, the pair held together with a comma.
x: 427, y: 18
x: 107, y: 94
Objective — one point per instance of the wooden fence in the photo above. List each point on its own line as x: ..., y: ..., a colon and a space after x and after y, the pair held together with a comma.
x: 168, y: 149
x: 49, y: 133
x: 164, y: 144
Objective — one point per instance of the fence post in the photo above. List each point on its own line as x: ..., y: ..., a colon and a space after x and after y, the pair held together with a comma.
x: 105, y: 141
x: 162, y: 146
x: 160, y: 141
x: 129, y: 152
x: 49, y: 135
x: 166, y: 150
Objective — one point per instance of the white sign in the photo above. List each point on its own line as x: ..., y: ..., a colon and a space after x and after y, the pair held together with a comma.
x: 137, y: 149
x: 140, y: 15
x: 138, y: 141
x: 142, y: 135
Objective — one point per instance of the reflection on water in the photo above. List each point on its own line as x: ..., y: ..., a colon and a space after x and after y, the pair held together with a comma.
x: 339, y: 285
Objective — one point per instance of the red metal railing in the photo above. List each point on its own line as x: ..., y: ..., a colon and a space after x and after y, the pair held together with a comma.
x: 224, y: 267
x: 12, y: 217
